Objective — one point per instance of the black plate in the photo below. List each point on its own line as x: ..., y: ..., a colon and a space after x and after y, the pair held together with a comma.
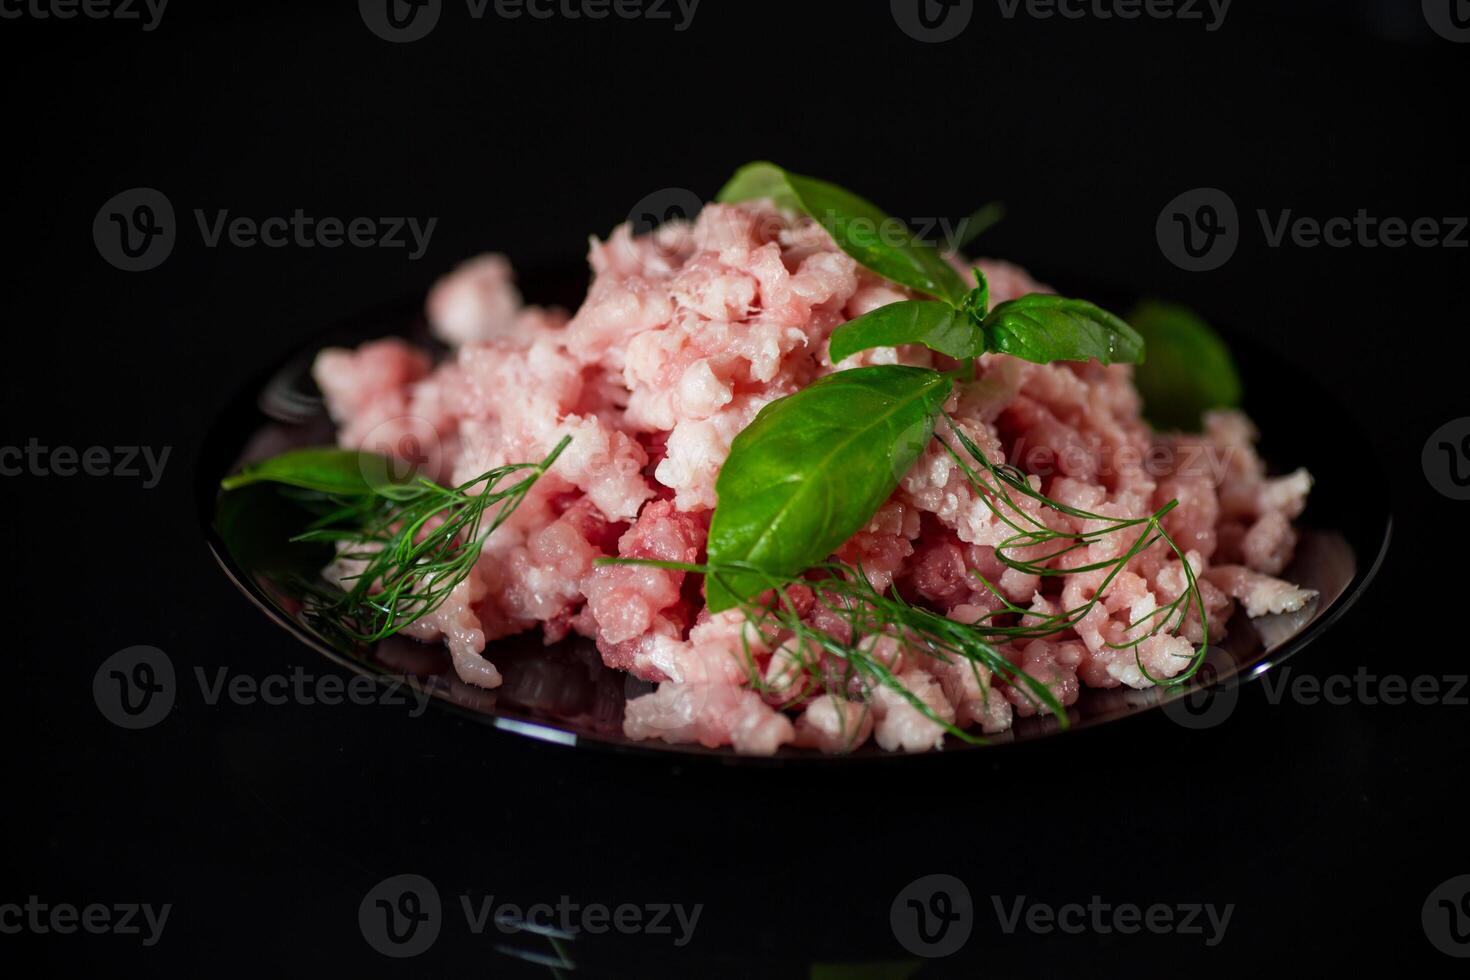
x: 563, y: 693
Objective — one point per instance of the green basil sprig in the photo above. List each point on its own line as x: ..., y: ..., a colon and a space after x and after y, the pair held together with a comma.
x: 859, y: 228
x: 958, y: 321
x: 814, y: 467
x: 1038, y: 327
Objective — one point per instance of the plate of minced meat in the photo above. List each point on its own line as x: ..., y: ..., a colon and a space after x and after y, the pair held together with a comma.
x: 784, y: 480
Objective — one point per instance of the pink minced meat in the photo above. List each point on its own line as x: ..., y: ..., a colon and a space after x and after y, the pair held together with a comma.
x: 686, y: 333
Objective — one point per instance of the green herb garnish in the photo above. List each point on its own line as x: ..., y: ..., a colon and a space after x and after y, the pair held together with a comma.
x: 812, y: 468
x: 1039, y: 327
x: 416, y: 540
x: 325, y: 469
x: 845, y: 591
x: 815, y: 466
x: 1189, y: 369
x: 997, y: 484
x: 938, y: 326
x: 958, y: 321
x: 859, y: 228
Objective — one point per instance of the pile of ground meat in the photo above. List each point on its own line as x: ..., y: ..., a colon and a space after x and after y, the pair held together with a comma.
x: 684, y: 335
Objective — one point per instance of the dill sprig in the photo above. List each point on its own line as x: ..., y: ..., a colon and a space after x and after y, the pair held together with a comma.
x: 416, y: 544
x: 1031, y: 533
x: 846, y: 591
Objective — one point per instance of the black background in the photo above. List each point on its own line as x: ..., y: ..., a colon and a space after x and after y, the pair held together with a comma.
x: 1326, y: 827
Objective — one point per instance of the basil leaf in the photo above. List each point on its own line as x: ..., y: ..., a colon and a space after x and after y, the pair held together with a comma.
x: 860, y: 229
x: 259, y: 526
x: 812, y: 468
x: 757, y: 180
x: 979, y: 222
x: 343, y: 472
x: 1189, y: 368
x: 977, y: 300
x: 1043, y: 328
x: 938, y: 326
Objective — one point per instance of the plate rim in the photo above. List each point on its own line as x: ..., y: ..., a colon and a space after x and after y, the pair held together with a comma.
x: 409, y: 310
